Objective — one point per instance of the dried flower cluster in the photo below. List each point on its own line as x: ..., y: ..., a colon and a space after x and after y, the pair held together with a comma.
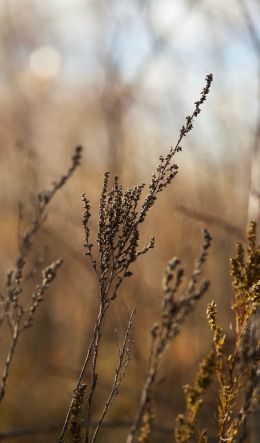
x: 146, y: 424
x: 166, y: 170
x: 75, y: 427
x: 118, y: 236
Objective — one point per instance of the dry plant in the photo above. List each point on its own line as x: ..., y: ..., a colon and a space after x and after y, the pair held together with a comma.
x: 174, y: 312
x: 233, y: 367
x: 121, y: 215
x: 15, y: 309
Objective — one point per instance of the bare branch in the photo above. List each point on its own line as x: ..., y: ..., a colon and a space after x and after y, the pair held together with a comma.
x: 124, y: 358
x: 18, y: 316
x: 174, y: 312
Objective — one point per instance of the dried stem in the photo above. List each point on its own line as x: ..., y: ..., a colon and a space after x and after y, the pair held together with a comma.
x: 124, y: 357
x: 82, y: 372
x: 8, y: 361
x: 174, y: 312
x: 18, y: 316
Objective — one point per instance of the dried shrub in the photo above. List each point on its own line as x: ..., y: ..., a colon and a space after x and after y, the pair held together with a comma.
x: 121, y: 215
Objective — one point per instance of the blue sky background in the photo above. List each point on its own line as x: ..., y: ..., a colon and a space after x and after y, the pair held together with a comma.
x: 195, y: 38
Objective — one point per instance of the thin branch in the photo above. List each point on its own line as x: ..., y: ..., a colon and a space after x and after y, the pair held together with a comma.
x: 8, y: 361
x: 174, y: 312
x: 124, y: 358
x: 24, y: 318
x: 82, y: 373
x: 20, y: 317
x: 94, y: 370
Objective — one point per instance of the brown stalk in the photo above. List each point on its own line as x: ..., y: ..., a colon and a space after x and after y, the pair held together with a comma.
x: 124, y: 357
x: 174, y: 312
x: 18, y: 316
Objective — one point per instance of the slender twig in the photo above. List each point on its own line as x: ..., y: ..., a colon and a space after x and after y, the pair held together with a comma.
x: 18, y: 316
x: 174, y: 312
x: 24, y: 318
x: 8, y: 361
x: 124, y: 357
x: 82, y: 372
x: 94, y: 371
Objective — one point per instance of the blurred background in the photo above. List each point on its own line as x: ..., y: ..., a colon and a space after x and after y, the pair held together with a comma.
x: 119, y: 77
